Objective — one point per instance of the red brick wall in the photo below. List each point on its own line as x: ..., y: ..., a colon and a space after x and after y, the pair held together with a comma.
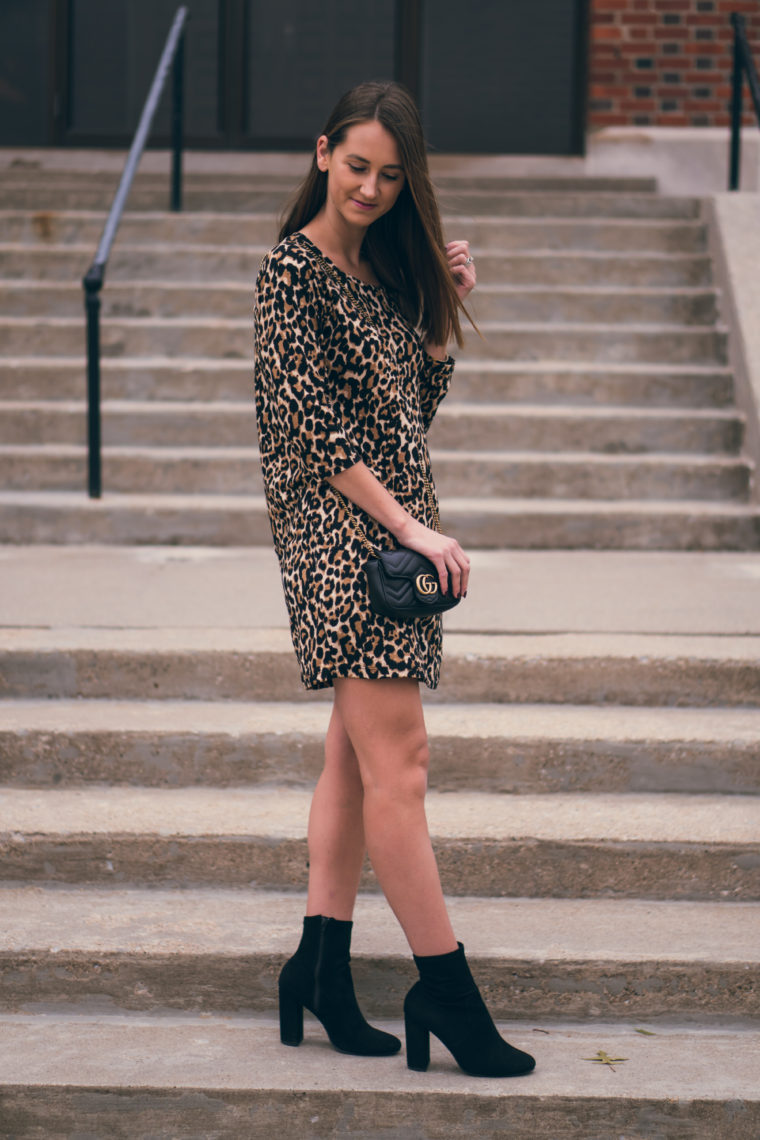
x: 666, y: 62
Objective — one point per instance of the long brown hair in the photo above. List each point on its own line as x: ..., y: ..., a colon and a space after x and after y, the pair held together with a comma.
x: 405, y: 246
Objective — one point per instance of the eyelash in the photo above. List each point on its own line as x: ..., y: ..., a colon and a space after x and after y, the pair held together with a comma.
x: 360, y: 170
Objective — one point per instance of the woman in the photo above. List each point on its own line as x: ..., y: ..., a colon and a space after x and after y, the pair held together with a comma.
x: 346, y: 388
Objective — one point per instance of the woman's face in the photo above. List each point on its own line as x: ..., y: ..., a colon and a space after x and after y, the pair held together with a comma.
x: 364, y: 173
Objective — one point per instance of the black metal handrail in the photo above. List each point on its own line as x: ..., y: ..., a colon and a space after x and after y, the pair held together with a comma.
x: 173, y: 53
x: 743, y: 65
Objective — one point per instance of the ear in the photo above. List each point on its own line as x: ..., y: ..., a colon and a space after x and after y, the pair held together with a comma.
x: 322, y: 152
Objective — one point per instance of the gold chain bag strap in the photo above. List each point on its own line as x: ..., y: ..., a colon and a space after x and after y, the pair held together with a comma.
x: 402, y: 584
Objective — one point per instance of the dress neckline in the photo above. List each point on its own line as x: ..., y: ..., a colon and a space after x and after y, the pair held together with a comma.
x: 350, y: 276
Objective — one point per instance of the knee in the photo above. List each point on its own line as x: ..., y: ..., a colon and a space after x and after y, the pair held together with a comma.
x: 402, y: 772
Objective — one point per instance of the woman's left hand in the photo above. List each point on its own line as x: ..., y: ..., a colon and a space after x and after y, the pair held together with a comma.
x: 462, y: 267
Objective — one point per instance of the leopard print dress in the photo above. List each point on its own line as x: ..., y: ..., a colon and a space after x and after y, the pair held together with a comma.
x: 340, y: 377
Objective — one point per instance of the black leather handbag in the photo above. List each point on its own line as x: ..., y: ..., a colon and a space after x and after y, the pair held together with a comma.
x: 402, y: 584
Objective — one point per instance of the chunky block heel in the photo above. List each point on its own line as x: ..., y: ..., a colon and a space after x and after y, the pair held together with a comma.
x: 417, y: 1046
x: 291, y: 1019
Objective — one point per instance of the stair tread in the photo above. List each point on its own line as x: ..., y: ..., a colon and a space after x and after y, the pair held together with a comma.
x: 243, y: 1053
x: 506, y: 646
x: 246, y: 503
x: 516, y: 723
x: 278, y: 813
x: 224, y: 920
x: 222, y: 453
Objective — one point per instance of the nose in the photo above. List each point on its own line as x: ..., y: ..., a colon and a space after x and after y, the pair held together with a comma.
x: 369, y: 185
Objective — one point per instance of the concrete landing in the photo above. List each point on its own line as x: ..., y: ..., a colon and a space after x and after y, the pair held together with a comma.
x: 511, y: 591
x: 230, y: 1077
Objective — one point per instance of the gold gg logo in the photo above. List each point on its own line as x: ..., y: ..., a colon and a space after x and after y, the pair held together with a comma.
x: 426, y: 584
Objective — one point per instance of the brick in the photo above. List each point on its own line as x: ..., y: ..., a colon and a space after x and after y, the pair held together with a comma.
x: 701, y: 48
x: 638, y: 105
x: 607, y: 119
x: 693, y: 105
x: 669, y: 33
x: 605, y: 32
x: 672, y: 5
x: 672, y: 92
x: 610, y: 5
x: 645, y: 19
x: 608, y: 91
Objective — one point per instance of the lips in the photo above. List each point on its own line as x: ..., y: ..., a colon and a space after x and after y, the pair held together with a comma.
x: 363, y: 205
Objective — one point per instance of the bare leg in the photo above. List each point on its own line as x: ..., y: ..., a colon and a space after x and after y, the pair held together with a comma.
x: 384, y: 722
x: 336, y: 829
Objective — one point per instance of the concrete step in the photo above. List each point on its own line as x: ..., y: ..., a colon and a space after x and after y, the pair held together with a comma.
x: 655, y: 846
x: 166, y: 378
x: 230, y: 664
x: 655, y: 343
x: 64, y: 517
x: 237, y: 471
x: 231, y: 338
x: 188, y: 262
x: 204, y: 949
x: 517, y: 748
x: 473, y: 427
x: 229, y: 1077
x: 695, y: 306
x: 673, y: 235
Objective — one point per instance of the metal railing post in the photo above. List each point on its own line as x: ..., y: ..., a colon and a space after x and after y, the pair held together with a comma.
x: 737, y: 84
x: 173, y: 54
x: 178, y: 114
x: 93, y: 282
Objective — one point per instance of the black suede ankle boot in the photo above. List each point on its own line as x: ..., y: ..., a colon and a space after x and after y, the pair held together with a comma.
x: 318, y: 978
x: 447, y: 1002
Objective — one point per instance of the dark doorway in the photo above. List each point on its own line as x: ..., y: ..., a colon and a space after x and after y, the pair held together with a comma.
x: 493, y: 77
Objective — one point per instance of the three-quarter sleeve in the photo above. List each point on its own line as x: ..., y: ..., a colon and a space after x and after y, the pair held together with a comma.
x: 298, y: 402
x: 435, y: 378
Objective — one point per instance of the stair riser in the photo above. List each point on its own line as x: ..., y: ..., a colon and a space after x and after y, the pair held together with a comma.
x: 596, y: 530
x: 232, y: 381
x: 496, y: 765
x: 273, y: 676
x: 480, y: 477
x: 599, y: 344
x: 529, y: 868
x: 57, y: 263
x: 219, y: 301
x: 561, y: 990
x: 143, y: 1114
x: 208, y: 338
x: 461, y: 210
x: 490, y: 234
x: 222, y: 428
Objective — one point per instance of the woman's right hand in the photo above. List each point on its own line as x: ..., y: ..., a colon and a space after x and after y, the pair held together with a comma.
x: 445, y: 553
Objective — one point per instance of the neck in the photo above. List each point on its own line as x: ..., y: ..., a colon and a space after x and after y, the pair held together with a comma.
x: 335, y: 238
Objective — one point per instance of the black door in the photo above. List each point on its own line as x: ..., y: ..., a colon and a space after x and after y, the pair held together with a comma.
x: 493, y: 76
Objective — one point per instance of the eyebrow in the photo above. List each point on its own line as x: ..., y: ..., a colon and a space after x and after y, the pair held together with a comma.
x: 388, y: 165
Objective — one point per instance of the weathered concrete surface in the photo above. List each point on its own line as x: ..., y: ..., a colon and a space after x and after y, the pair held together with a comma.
x: 498, y: 748
x: 661, y: 846
x: 230, y: 1077
x: 511, y: 591
x: 258, y: 664
x: 110, y: 948
x: 735, y: 239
